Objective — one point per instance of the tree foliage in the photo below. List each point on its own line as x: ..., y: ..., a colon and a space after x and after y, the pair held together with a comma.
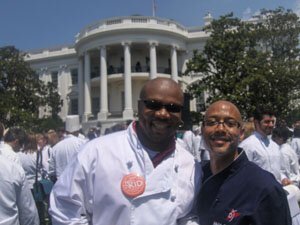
x: 250, y: 63
x: 22, y: 92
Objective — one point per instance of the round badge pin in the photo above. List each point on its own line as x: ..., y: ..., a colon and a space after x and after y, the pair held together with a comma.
x: 133, y: 185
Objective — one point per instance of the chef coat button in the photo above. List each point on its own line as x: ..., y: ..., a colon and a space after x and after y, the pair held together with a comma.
x: 176, y: 168
x: 129, y: 164
x: 173, y: 197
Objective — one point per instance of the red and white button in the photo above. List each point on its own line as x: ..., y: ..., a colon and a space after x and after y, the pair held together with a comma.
x: 133, y: 185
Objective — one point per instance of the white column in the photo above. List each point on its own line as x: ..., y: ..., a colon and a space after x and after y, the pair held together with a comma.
x: 174, y: 69
x: 102, y: 115
x: 45, y: 76
x: 80, y: 86
x: 87, y: 87
x: 128, y: 111
x: 153, y: 61
x: 63, y: 84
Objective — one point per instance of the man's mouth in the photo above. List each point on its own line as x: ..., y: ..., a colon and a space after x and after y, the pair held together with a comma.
x: 160, y: 124
x: 220, y: 140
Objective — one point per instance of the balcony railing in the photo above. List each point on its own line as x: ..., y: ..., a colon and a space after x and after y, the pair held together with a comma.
x: 143, y: 69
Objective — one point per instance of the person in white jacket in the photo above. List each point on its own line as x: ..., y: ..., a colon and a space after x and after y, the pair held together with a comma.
x: 136, y: 176
x: 261, y: 149
x: 295, y: 143
x: 16, y: 202
x: 64, y: 151
x: 289, y: 157
x: 14, y: 140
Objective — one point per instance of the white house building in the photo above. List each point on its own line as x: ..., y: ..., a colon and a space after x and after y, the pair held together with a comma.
x: 100, y: 76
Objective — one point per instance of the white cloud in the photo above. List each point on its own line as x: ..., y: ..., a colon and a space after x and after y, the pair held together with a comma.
x: 297, y: 7
x: 248, y: 13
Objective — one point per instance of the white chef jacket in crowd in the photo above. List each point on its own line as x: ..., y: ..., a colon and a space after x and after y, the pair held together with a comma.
x: 194, y: 145
x: 89, y: 190
x: 189, y: 139
x: 295, y: 143
x: 291, y: 163
x: 265, y: 153
x: 28, y: 161
x: 16, y: 202
x: 63, y: 152
x: 8, y: 152
x: 46, y: 153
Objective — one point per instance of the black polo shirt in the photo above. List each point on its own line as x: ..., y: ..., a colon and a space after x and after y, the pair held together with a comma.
x: 243, y: 194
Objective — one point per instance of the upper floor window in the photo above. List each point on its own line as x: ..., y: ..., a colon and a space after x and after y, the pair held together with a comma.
x: 54, y: 77
x: 74, y: 76
x: 74, y: 106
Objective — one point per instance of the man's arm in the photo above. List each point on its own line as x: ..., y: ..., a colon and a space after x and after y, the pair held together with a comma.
x: 28, y: 214
x: 69, y: 197
x: 273, y: 209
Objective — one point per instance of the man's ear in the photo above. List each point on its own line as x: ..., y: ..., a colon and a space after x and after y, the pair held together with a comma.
x: 256, y: 123
x: 242, y: 134
x: 14, y: 144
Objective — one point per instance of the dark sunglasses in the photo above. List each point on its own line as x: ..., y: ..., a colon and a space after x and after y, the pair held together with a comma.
x: 157, y: 105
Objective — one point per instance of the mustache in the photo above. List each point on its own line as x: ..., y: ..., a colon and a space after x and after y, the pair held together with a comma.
x: 223, y: 137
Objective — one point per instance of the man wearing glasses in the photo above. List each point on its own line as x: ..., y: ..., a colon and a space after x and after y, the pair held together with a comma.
x: 137, y: 176
x: 235, y: 190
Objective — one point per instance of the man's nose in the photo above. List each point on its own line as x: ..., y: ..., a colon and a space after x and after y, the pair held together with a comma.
x: 162, y: 113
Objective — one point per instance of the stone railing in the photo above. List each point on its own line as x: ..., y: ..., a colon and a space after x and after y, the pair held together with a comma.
x: 133, y: 21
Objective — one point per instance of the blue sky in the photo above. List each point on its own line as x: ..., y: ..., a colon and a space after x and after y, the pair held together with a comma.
x: 36, y: 24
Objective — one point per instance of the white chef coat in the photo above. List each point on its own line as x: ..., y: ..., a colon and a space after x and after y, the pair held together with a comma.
x: 265, y: 153
x: 46, y: 154
x: 63, y: 152
x: 28, y: 161
x: 291, y: 164
x: 8, y: 152
x: 16, y: 202
x: 194, y: 144
x: 89, y: 190
x: 295, y: 143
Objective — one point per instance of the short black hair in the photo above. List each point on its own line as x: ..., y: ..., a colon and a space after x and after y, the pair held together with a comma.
x: 297, y: 132
x: 15, y: 133
x: 282, y: 132
x: 259, y: 113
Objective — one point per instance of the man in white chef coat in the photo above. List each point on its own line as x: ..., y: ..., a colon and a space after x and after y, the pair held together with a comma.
x: 137, y: 176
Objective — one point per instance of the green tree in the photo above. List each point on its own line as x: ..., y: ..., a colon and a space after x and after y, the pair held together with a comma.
x: 250, y: 63
x: 22, y: 93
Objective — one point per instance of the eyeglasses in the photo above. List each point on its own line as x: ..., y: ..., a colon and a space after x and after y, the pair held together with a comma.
x: 157, y: 105
x: 229, y: 123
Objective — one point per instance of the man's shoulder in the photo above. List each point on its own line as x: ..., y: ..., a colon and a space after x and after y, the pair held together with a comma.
x: 250, y: 144
x: 259, y: 176
x: 183, y: 151
x: 109, y: 141
x: 252, y: 138
x: 10, y: 169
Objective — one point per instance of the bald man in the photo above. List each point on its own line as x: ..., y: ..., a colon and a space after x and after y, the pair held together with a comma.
x: 138, y: 176
x: 235, y: 190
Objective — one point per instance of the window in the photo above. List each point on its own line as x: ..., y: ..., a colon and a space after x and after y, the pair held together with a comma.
x: 54, y: 77
x: 95, y: 72
x: 95, y: 105
x: 74, y: 76
x: 74, y: 106
x: 123, y: 100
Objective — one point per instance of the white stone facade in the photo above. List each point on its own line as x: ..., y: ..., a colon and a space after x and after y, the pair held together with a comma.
x: 101, y: 75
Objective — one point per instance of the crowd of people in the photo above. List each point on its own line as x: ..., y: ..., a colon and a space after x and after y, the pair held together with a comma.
x: 149, y: 171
